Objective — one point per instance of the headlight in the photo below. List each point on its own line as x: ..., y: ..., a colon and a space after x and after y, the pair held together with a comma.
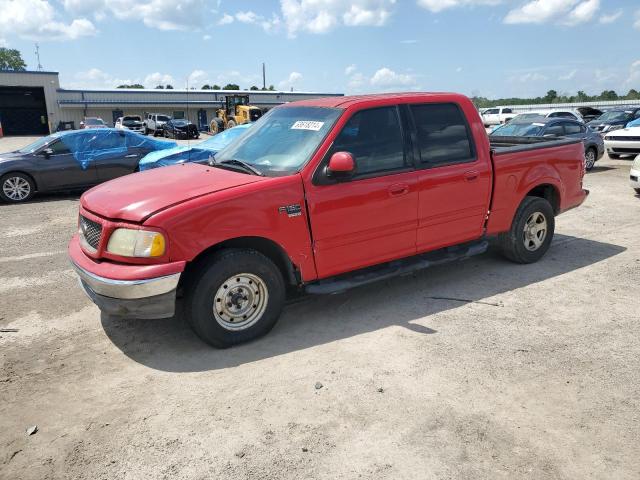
x: 136, y: 243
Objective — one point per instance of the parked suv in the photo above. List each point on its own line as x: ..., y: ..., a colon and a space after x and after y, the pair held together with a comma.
x: 154, y: 123
x: 497, y: 116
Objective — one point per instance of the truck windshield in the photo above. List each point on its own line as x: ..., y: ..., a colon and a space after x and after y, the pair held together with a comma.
x: 283, y: 140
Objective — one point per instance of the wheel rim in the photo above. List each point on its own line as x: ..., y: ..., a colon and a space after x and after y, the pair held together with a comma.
x: 16, y: 188
x: 590, y: 159
x: 535, y: 231
x: 240, y: 301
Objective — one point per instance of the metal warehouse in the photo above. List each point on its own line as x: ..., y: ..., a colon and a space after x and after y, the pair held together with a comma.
x: 32, y: 103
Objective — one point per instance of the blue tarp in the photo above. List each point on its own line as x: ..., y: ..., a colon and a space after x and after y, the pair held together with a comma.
x: 92, y: 144
x: 200, y: 152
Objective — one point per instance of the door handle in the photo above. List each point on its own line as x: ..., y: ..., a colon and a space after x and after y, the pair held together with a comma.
x: 398, y: 189
x: 471, y: 176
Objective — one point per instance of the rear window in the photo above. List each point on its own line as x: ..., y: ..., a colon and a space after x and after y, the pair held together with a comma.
x: 443, y: 135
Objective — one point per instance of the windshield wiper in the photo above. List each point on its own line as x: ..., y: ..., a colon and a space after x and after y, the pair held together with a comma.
x: 244, y: 165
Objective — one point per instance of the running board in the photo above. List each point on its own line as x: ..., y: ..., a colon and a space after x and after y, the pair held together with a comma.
x: 392, y: 269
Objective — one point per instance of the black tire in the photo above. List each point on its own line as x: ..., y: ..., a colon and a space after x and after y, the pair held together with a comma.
x: 231, y: 124
x: 514, y: 242
x: 22, y: 194
x: 637, y: 190
x: 590, y: 161
x: 614, y: 156
x: 216, y: 126
x: 155, y: 133
x: 146, y: 131
x: 212, y: 276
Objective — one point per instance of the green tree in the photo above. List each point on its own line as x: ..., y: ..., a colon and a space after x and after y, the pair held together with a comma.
x: 253, y: 87
x: 135, y: 85
x: 633, y: 94
x: 160, y: 87
x: 216, y: 87
x: 271, y: 88
x: 609, y: 95
x: 551, y: 96
x: 169, y: 87
x: 206, y: 86
x: 231, y: 86
x: 11, y: 59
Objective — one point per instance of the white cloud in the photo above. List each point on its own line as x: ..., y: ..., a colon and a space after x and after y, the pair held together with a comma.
x: 154, y: 79
x: 225, y: 19
x: 610, y: 18
x: 3, y: 42
x: 568, y: 76
x: 459, y: 69
x: 291, y: 81
x: 197, y: 79
x: 96, y: 79
x: 387, y: 78
x: 351, y: 69
x: 206, y: 37
x: 568, y: 12
x: 633, y: 80
x: 356, y: 81
x: 37, y: 19
x: 252, y: 18
x: 529, y: 77
x: 436, y: 6
x: 321, y: 16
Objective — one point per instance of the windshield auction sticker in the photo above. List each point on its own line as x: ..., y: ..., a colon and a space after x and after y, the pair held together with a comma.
x: 307, y: 125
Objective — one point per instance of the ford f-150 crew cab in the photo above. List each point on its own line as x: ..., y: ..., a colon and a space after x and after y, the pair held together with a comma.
x: 319, y: 196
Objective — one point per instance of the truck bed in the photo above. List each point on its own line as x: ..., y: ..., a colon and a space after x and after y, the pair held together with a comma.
x: 501, y: 145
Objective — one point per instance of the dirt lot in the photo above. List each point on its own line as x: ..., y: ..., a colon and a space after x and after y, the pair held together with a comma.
x: 531, y: 372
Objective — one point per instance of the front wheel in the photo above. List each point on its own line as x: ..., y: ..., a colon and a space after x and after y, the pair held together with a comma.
x: 531, y: 231
x: 589, y: 159
x: 233, y: 297
x: 16, y: 188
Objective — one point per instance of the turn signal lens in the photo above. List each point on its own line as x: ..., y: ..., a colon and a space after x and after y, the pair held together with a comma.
x: 136, y: 243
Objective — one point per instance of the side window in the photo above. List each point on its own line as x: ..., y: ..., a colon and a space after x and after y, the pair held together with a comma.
x: 59, y: 148
x: 374, y: 138
x: 507, y: 110
x: 443, y: 136
x: 572, y: 128
x: 554, y: 130
x: 107, y: 141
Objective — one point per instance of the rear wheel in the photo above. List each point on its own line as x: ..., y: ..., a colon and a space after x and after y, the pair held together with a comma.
x: 235, y: 296
x: 16, y: 187
x: 216, y: 126
x: 589, y: 158
x: 531, y: 231
x: 231, y: 124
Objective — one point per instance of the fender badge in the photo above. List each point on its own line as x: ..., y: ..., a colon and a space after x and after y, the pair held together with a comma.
x: 291, y: 210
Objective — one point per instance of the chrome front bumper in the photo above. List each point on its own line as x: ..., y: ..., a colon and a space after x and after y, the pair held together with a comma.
x: 128, y: 289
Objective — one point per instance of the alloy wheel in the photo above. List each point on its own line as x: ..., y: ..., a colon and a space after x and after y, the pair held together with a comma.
x: 535, y: 231
x: 16, y: 188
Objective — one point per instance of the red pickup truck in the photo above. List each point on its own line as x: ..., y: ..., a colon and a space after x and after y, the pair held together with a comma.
x: 319, y: 196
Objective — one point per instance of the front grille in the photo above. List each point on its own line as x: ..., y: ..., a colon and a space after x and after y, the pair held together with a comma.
x: 91, y: 231
x: 623, y: 139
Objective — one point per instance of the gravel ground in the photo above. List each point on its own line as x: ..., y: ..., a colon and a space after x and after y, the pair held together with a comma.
x: 483, y: 369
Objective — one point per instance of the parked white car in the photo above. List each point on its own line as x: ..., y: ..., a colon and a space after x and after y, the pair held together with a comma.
x: 634, y: 175
x: 497, y: 116
x: 625, y: 141
x: 570, y: 113
x: 130, y: 122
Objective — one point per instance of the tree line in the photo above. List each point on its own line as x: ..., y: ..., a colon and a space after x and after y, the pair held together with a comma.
x: 553, y: 97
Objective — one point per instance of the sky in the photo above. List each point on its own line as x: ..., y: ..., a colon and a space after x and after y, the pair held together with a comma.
x: 492, y: 48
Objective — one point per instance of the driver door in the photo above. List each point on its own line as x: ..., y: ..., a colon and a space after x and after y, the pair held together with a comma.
x: 59, y: 168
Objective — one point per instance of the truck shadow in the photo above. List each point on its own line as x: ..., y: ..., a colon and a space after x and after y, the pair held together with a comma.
x: 171, y: 346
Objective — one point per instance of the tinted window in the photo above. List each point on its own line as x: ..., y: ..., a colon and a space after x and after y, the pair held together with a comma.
x: 491, y: 111
x: 507, y: 110
x: 554, y: 130
x: 374, y: 138
x: 572, y: 128
x: 442, y: 134
x: 59, y: 148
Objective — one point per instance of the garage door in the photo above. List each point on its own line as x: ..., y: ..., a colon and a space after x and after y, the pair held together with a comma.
x: 23, y: 111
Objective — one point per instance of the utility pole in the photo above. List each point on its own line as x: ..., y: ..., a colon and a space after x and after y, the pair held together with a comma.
x: 38, y: 57
x: 264, y: 78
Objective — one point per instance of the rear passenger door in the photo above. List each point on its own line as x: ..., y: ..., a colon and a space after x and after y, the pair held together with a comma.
x: 108, y: 150
x: 454, y: 180
x: 370, y: 218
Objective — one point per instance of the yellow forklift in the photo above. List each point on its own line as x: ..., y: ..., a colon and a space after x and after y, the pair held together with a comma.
x: 235, y: 111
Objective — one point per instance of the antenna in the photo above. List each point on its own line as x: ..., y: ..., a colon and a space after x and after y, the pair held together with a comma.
x: 38, y: 57
x: 264, y: 78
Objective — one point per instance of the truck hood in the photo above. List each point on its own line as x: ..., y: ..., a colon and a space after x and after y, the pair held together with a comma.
x: 137, y: 196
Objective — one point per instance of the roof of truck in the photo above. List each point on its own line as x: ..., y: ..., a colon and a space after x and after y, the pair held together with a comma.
x: 345, y: 102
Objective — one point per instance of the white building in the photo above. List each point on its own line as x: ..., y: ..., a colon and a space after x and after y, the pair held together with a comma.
x: 33, y: 103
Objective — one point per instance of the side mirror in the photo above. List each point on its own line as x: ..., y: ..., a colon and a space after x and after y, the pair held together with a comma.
x: 341, y: 165
x: 47, y: 152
